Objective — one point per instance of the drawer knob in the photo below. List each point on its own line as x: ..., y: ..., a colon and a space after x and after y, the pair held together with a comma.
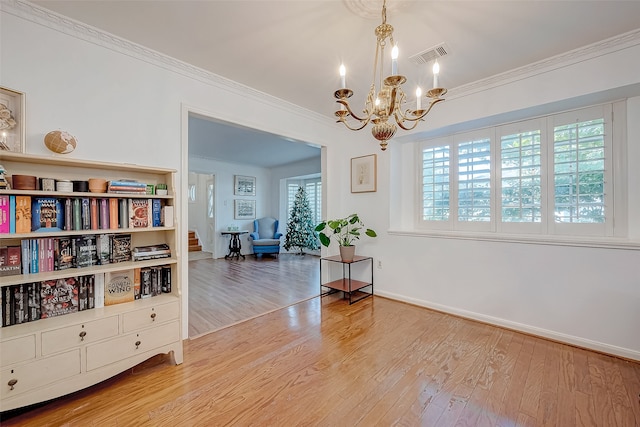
x: 11, y: 383
x: 82, y: 335
x: 138, y: 344
x: 153, y: 317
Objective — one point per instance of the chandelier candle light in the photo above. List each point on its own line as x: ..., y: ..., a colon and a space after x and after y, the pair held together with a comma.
x: 387, y: 102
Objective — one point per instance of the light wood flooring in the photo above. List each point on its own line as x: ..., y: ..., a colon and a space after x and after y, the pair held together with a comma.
x: 224, y: 292
x: 375, y: 363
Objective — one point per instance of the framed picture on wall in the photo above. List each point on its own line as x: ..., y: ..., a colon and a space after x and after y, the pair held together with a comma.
x: 244, y: 209
x: 364, y: 174
x: 244, y: 185
x: 12, y: 120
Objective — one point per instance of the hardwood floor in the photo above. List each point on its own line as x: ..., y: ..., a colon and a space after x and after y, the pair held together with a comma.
x: 375, y: 363
x: 224, y: 292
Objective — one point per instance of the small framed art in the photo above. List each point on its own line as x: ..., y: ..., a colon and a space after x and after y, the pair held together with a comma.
x: 364, y: 174
x: 12, y: 120
x: 244, y: 185
x: 244, y: 209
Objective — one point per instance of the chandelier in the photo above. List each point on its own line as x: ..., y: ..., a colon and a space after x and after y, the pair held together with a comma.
x: 388, y: 101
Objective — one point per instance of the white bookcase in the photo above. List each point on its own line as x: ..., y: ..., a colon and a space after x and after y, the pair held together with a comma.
x: 48, y: 358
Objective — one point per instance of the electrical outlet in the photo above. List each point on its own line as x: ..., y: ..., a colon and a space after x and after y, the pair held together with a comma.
x: 380, y: 264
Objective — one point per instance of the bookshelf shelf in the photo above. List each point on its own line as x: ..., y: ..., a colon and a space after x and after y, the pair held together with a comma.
x: 91, y: 345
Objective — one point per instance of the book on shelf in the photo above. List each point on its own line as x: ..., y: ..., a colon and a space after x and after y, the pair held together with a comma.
x: 98, y: 290
x: 67, y: 207
x: 139, y: 212
x: 145, y: 282
x: 12, y: 214
x: 46, y: 214
x: 118, y: 287
x: 58, y: 297
x: 83, y: 293
x: 105, y: 219
x: 23, y: 214
x: 20, y: 304
x: 26, y: 256
x: 103, y: 243
x: 77, y: 214
x: 123, y: 213
x: 166, y: 279
x: 10, y: 260
x: 121, y: 248
x: 86, y: 250
x: 167, y: 216
x: 4, y: 214
x: 113, y: 213
x: 141, y: 253
x: 126, y: 187
x: 33, y: 301
x: 136, y: 283
x: 85, y: 213
x: 94, y: 219
x: 7, y: 306
x: 91, y: 291
x: 63, y: 253
x: 156, y: 212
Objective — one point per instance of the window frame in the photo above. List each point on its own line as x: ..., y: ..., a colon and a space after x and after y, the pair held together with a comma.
x: 615, y: 179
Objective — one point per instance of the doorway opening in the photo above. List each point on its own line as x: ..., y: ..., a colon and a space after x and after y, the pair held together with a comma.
x: 223, y: 292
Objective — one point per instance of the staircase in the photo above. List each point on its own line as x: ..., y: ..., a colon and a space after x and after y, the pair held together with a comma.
x: 194, y: 243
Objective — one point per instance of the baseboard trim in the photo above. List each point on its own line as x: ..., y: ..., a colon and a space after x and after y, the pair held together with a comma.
x: 599, y: 347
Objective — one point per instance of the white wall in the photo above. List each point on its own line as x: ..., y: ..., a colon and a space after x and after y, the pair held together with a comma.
x: 588, y: 296
x: 132, y: 107
x: 225, y: 172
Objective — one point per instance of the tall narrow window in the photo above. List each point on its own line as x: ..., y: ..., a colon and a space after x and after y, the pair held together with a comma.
x: 474, y: 180
x: 435, y: 184
x: 521, y: 177
x: 579, y: 170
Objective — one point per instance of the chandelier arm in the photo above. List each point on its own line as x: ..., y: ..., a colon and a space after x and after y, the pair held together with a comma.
x: 402, y: 125
x: 424, y: 113
x: 364, y: 123
x: 354, y: 115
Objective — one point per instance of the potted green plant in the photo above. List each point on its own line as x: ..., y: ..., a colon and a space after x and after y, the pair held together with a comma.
x: 345, y: 231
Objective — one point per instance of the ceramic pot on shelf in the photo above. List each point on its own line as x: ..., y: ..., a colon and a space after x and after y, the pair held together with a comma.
x: 347, y: 253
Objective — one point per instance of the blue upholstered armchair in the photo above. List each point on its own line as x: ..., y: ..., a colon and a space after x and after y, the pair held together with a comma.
x: 266, y: 238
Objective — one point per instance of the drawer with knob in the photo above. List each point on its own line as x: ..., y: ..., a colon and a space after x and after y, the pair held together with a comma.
x: 116, y: 349
x: 22, y: 378
x: 79, y: 334
x: 150, y: 316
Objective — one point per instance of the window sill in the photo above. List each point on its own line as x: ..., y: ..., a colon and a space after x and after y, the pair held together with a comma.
x: 588, y: 242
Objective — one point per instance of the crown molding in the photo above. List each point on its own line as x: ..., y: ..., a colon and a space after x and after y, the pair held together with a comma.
x: 603, y: 47
x: 39, y: 15
x: 55, y: 21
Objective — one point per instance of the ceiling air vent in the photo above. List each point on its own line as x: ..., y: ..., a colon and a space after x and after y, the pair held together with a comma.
x: 430, y: 54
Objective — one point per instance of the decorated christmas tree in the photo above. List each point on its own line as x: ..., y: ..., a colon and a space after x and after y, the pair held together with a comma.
x: 301, y: 227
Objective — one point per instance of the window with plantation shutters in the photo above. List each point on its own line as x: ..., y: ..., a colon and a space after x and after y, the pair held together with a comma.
x: 474, y: 180
x: 435, y: 183
x: 551, y: 175
x: 578, y: 163
x: 521, y: 177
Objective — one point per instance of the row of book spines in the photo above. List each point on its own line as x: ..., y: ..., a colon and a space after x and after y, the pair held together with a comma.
x: 28, y: 302
x: 61, y: 253
x: 19, y: 214
x: 151, y: 281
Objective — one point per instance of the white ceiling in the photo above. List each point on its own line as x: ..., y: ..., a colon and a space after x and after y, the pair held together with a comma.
x: 292, y: 49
